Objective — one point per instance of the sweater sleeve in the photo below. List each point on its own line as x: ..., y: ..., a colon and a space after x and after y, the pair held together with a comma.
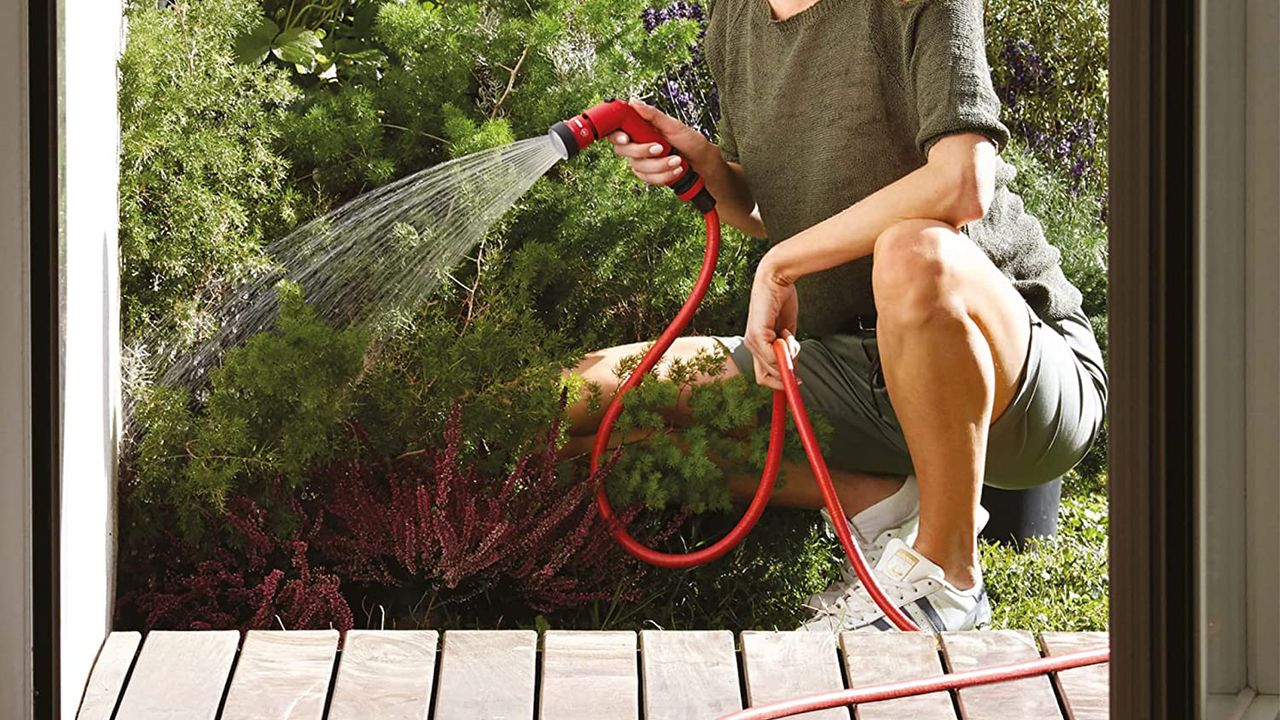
x: 947, y: 73
x: 728, y: 146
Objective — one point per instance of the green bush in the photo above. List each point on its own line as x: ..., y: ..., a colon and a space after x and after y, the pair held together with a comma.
x: 203, y: 181
x: 588, y: 258
x: 270, y: 413
x: 1056, y: 583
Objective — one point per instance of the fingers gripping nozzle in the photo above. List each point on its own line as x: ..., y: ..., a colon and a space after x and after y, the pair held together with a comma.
x: 576, y: 133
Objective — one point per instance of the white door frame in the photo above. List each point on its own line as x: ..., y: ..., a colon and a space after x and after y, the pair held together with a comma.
x: 1238, y: 394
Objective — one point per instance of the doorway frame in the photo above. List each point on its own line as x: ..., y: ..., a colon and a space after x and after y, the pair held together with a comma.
x: 1152, y: 200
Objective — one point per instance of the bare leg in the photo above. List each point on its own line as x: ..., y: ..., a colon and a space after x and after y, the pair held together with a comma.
x: 857, y: 491
x: 953, y: 336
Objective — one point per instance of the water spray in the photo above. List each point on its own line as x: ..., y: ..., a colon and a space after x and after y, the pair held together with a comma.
x: 569, y: 138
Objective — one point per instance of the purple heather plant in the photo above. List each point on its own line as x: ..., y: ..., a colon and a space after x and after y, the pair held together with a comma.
x: 429, y: 519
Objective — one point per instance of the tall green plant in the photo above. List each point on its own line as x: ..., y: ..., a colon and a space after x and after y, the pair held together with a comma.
x: 203, y: 184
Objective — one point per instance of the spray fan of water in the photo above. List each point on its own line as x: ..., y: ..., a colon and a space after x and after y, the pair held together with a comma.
x: 387, y: 249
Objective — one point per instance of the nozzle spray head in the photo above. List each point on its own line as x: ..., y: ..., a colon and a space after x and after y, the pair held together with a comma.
x: 573, y: 135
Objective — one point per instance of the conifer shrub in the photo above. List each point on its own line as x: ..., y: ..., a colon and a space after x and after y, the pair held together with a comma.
x: 204, y: 180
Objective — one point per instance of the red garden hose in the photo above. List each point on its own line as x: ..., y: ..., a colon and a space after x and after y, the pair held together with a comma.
x: 571, y: 136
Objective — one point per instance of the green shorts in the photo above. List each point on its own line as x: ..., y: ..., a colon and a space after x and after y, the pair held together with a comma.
x: 1048, y: 427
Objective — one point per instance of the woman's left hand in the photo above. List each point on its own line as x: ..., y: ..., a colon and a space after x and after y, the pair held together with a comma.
x: 772, y: 315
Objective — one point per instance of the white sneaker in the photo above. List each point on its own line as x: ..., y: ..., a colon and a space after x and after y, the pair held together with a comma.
x: 831, y: 600
x: 914, y: 584
x: 849, y: 581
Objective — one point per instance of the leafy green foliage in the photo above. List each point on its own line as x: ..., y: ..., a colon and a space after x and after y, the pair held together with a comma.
x: 203, y: 183
x: 270, y: 413
x: 727, y: 435
x: 1073, y: 223
x: 325, y: 41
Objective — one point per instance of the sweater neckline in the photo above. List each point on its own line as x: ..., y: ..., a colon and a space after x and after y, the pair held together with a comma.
x: 801, y: 19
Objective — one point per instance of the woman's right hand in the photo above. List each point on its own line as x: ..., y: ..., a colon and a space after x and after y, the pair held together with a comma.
x: 649, y: 163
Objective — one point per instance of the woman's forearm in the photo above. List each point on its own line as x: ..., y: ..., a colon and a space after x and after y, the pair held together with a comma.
x: 727, y: 183
x: 955, y: 187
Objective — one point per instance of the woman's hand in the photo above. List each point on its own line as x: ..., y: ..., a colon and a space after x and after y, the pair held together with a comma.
x: 772, y: 315
x: 647, y: 161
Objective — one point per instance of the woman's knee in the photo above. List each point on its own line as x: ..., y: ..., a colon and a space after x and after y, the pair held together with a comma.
x: 916, y: 272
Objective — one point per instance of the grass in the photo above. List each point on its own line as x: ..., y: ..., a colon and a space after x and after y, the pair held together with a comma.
x: 1060, y: 582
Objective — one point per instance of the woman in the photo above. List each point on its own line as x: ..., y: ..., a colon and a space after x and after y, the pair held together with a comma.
x: 942, y: 341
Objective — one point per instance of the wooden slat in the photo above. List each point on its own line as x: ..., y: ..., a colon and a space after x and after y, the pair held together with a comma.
x: 882, y: 657
x: 102, y: 692
x: 282, y: 675
x: 689, y: 675
x: 1026, y: 699
x: 486, y: 675
x: 589, y: 675
x: 782, y: 665
x: 385, y: 675
x: 1085, y: 691
x: 180, y: 675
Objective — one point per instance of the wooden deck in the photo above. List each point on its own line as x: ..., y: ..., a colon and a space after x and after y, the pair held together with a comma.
x: 510, y: 675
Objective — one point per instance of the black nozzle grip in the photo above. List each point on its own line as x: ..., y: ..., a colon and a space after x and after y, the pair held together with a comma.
x: 703, y: 199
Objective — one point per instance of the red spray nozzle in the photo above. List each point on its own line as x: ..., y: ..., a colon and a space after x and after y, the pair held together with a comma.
x: 579, y: 131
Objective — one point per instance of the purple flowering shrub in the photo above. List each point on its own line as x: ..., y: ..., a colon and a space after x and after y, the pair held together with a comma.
x: 254, y: 578
x: 1050, y: 71
x: 427, y: 521
x: 430, y: 519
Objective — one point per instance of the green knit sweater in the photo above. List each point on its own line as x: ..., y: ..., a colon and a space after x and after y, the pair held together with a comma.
x: 826, y: 107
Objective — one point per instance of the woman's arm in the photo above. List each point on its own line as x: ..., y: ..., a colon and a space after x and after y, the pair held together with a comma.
x: 954, y: 186
x: 727, y: 183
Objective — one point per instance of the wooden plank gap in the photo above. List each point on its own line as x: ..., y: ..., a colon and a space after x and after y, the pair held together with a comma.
x: 333, y: 678
x: 112, y: 669
x: 231, y: 672
x: 1085, y: 692
x: 844, y: 677
x: 180, y: 674
x: 435, y: 678
x: 539, y: 667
